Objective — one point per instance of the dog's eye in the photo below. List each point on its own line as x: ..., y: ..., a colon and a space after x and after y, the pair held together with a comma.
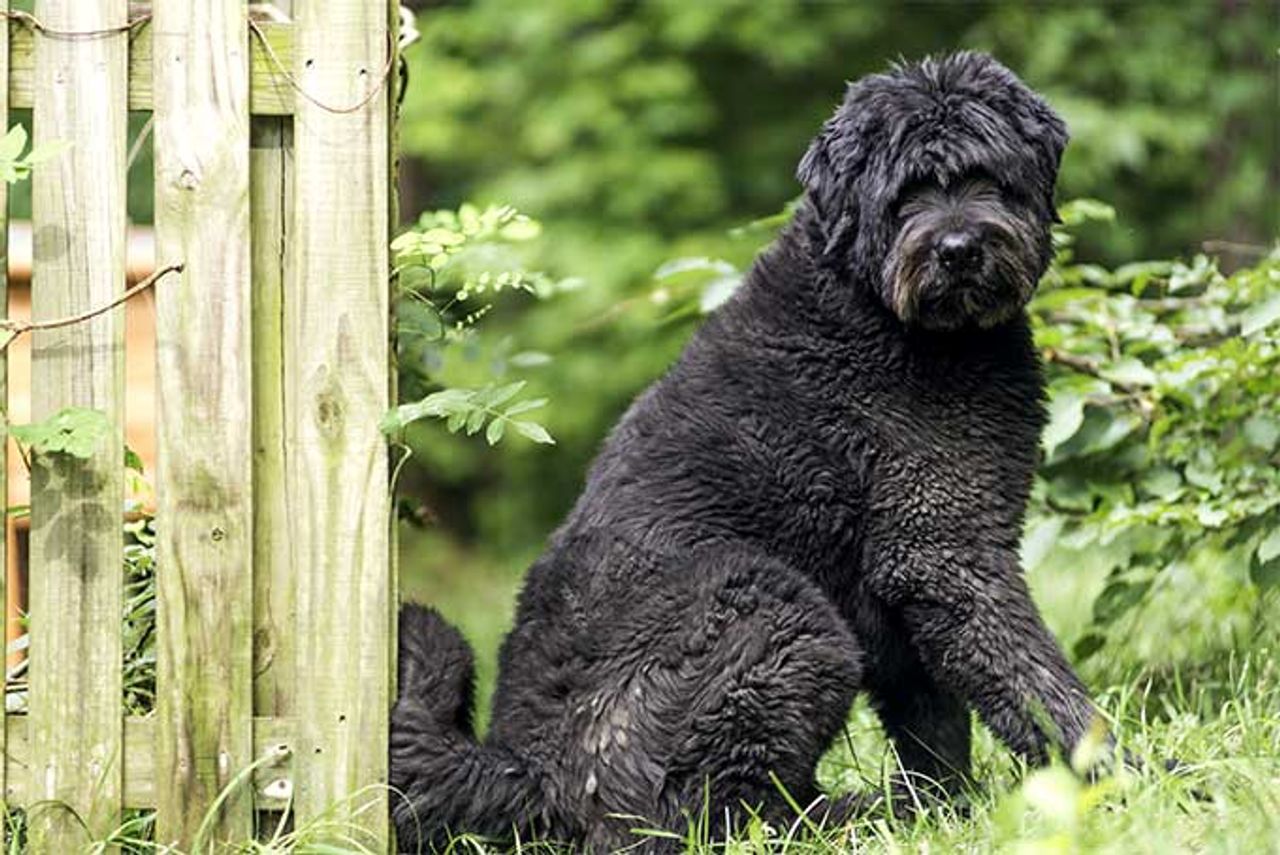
x: 1013, y: 192
x: 912, y: 194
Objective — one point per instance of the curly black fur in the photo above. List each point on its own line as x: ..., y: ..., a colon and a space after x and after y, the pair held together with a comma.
x: 823, y: 496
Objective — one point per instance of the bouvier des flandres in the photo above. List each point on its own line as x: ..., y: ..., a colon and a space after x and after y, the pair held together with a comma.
x: 823, y: 496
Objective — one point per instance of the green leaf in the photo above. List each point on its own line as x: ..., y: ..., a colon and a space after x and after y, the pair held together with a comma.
x: 520, y: 229
x: 1066, y: 414
x: 1161, y: 481
x: 1089, y: 644
x: 13, y: 143
x: 1079, y: 211
x: 1039, y: 540
x: 436, y: 405
x: 1265, y: 574
x: 717, y: 292
x: 525, y: 406
x: 1259, y: 317
x: 405, y: 241
x: 1210, y: 516
x: 74, y: 431
x: 534, y: 431
x: 1103, y: 429
x: 132, y: 460
x: 1261, y: 431
x: 1269, y: 548
x: 1203, y: 472
x: 475, y: 421
x: 495, y: 431
x: 529, y: 359
x: 1117, y: 598
x: 504, y: 393
x: 416, y: 318
x: 1129, y: 371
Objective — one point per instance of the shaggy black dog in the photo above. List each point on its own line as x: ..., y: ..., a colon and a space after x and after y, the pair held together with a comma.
x: 824, y: 496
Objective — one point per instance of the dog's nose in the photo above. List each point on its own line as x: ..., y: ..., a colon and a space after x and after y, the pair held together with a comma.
x: 959, y: 252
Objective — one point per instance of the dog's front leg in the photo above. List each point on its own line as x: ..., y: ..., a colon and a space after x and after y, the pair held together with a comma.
x: 973, y: 624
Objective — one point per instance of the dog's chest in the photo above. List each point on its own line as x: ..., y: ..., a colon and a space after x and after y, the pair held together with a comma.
x: 947, y: 454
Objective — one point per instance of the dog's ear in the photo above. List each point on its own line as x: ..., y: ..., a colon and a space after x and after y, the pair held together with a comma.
x: 1046, y: 134
x: 816, y: 172
x: 827, y: 173
x: 1052, y: 142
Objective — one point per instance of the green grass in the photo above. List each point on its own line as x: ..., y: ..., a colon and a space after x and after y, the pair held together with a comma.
x: 1219, y: 717
x: 1217, y: 712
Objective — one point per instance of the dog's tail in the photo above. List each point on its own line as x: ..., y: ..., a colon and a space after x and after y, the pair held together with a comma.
x: 443, y: 782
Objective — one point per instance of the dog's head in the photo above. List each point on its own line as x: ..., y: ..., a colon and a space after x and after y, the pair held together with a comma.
x: 933, y: 183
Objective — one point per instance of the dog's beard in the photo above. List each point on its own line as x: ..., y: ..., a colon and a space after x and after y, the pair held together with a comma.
x: 921, y: 291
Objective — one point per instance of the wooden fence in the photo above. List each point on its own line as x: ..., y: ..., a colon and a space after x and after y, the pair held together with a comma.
x: 275, y: 582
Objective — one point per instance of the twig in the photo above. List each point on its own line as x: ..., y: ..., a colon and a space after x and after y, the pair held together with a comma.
x: 378, y: 86
x: 1087, y: 366
x: 1252, y: 249
x: 138, y: 142
x: 17, y: 328
x: 40, y: 27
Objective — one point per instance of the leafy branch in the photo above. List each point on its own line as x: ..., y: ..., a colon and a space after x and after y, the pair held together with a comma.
x: 470, y: 410
x: 442, y: 265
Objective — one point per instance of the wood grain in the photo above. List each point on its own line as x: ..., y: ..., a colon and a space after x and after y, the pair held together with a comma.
x: 337, y: 336
x: 78, y: 211
x: 204, y: 483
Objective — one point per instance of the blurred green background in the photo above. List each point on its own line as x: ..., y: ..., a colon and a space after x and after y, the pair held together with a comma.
x: 637, y: 132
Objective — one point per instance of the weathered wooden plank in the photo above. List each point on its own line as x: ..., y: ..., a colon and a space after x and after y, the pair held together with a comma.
x: 272, y: 780
x: 336, y: 326
x: 204, y: 479
x: 4, y: 372
x: 393, y: 391
x: 78, y: 209
x: 270, y: 92
x: 270, y: 168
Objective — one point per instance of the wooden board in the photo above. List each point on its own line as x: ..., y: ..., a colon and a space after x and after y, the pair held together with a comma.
x: 270, y: 194
x: 336, y: 388
x: 272, y: 779
x: 4, y: 368
x: 78, y: 210
x: 270, y: 92
x: 204, y: 480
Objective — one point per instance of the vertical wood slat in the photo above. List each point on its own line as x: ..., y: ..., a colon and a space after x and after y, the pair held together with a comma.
x: 4, y: 389
x: 393, y: 373
x: 204, y: 430
x: 270, y: 191
x: 336, y: 326
x: 78, y: 209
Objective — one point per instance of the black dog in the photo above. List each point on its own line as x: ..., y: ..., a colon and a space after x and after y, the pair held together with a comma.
x: 824, y: 495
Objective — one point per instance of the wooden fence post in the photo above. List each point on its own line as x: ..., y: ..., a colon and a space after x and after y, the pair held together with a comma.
x: 4, y: 392
x: 336, y: 327
x: 78, y: 208
x: 270, y: 194
x: 204, y: 428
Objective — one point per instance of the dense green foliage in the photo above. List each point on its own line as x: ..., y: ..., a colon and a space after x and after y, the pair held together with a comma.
x: 1162, y: 467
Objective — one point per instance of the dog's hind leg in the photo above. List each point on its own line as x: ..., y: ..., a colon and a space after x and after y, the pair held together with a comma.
x: 769, y: 674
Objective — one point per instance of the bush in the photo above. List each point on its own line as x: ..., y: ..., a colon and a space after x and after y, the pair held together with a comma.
x: 1162, y: 453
